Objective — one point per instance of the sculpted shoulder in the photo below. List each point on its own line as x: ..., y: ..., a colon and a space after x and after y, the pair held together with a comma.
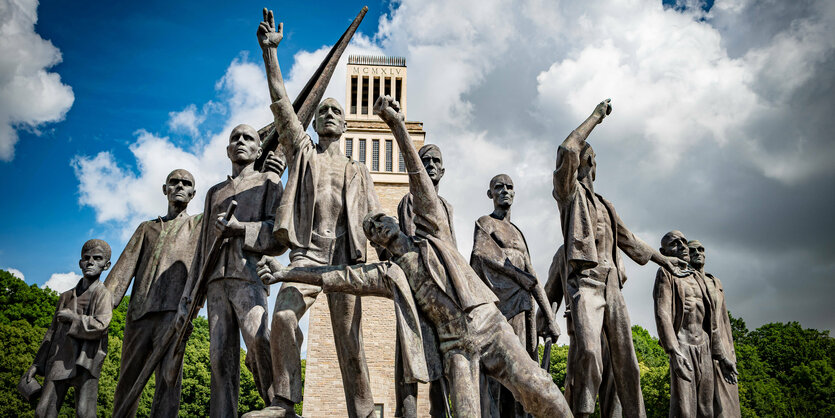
x: 486, y: 222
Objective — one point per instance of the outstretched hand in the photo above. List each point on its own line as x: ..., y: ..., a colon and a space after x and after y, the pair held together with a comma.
x: 729, y: 372
x: 268, y: 35
x: 388, y: 109
x: 681, y: 367
x: 677, y: 267
x: 603, y: 109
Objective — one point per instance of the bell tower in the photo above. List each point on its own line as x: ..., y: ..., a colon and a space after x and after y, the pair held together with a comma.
x: 369, y: 141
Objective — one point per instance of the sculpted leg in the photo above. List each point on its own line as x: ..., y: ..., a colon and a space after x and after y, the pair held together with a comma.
x: 464, y: 381
x: 587, y: 311
x: 52, y: 397
x: 293, y: 300
x: 622, y: 352
x: 507, y: 361
x: 137, y: 345
x: 250, y: 303
x: 224, y: 352
x: 405, y: 394
x: 86, y: 394
x: 346, y: 315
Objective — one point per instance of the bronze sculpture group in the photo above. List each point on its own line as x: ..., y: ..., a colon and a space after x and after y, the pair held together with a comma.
x: 469, y: 328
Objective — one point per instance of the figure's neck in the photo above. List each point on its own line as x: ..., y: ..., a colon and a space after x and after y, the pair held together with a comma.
x: 239, y: 169
x: 400, y: 245
x: 174, y: 210
x: 85, y: 283
x: 329, y: 146
x: 436, y: 183
x: 700, y: 269
x: 501, y: 213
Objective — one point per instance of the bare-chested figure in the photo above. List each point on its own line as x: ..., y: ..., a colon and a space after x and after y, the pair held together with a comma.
x: 320, y: 220
x: 686, y: 322
x: 725, y: 394
x: 500, y: 257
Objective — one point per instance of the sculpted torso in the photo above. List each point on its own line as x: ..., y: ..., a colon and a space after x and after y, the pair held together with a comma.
x: 329, y: 208
x: 603, y: 235
x: 510, y: 240
x: 692, y: 332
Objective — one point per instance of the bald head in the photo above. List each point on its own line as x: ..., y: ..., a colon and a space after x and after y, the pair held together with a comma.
x: 697, y: 254
x: 180, y: 173
x: 674, y: 244
x: 244, y: 145
x: 179, y: 188
x: 501, y: 191
x: 329, y: 121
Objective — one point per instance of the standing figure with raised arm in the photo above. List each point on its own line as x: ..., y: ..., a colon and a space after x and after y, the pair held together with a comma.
x: 686, y: 321
x: 236, y: 299
x: 157, y: 259
x: 320, y: 220
x: 500, y: 257
x: 593, y: 233
x: 725, y: 394
x: 475, y: 339
x: 75, y: 344
x: 406, y: 393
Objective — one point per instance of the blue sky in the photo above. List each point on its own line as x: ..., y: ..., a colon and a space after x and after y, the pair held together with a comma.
x: 128, y: 68
x: 721, y: 126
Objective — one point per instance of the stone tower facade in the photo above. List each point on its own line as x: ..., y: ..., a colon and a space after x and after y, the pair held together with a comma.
x: 367, y: 140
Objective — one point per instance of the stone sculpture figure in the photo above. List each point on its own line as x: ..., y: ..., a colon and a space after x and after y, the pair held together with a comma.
x: 475, y: 339
x: 593, y: 233
x: 157, y: 259
x: 686, y: 321
x: 236, y: 297
x: 320, y: 220
x: 406, y: 393
x: 501, y: 259
x: 555, y: 290
x: 74, y: 347
x: 725, y: 394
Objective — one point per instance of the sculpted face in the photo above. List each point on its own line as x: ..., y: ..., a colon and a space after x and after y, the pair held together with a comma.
x: 330, y: 119
x: 433, y: 162
x: 673, y: 244
x: 381, y: 229
x: 697, y: 254
x: 501, y: 191
x: 94, y: 261
x: 244, y: 145
x: 179, y: 186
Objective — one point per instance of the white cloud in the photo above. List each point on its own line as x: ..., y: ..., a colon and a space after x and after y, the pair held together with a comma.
x: 499, y: 84
x: 30, y: 96
x: 15, y: 272
x: 61, y: 282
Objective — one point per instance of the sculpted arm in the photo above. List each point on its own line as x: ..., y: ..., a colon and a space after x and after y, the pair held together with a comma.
x: 361, y: 280
x: 290, y: 130
x: 663, y: 296
x: 124, y: 270
x: 428, y: 209
x: 93, y: 327
x: 568, y: 154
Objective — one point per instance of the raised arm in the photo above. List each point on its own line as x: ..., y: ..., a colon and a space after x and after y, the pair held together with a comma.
x: 430, y: 216
x: 290, y: 130
x: 568, y: 154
